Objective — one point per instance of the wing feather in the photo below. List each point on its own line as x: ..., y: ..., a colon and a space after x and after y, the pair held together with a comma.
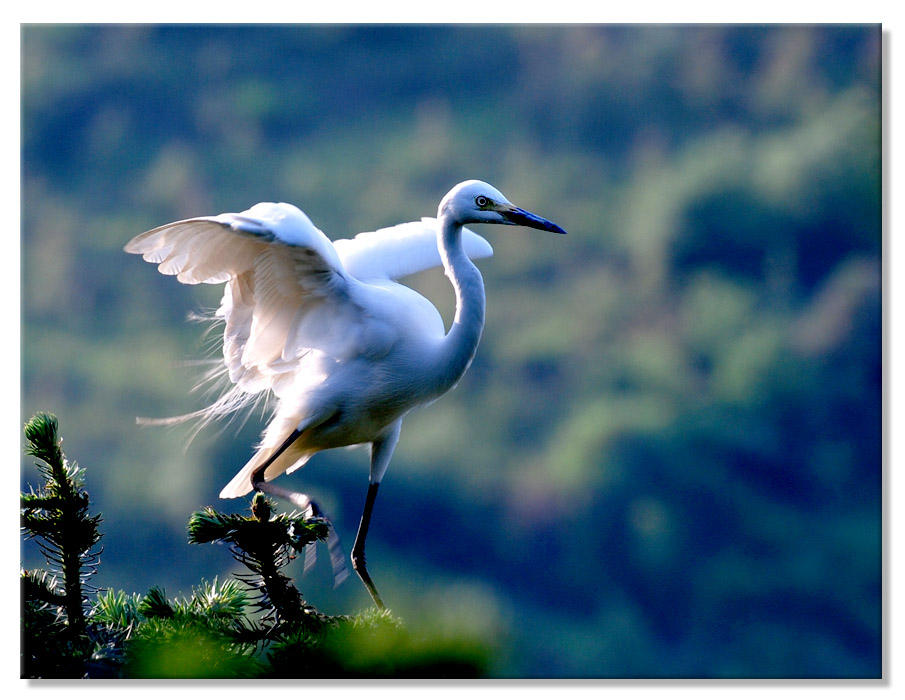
x: 398, y: 251
x: 286, y: 291
x: 197, y: 250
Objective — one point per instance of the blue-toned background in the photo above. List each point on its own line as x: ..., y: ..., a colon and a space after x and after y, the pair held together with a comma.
x: 666, y: 458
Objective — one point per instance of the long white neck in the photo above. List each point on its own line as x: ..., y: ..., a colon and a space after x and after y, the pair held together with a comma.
x: 459, y: 346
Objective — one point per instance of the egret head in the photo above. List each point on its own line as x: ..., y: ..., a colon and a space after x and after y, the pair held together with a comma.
x: 476, y: 202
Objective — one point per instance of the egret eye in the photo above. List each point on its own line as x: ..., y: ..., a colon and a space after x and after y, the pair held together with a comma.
x: 481, y: 201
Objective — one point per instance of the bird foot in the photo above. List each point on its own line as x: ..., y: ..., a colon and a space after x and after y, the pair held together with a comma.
x: 311, y: 510
x: 334, y: 547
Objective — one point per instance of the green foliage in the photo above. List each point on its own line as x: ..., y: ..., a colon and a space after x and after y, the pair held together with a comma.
x: 119, y: 610
x: 263, y: 544
x: 210, y: 636
x: 376, y: 644
x: 204, y: 636
x: 49, y: 648
x: 216, y: 632
x: 59, y: 512
x: 58, y: 515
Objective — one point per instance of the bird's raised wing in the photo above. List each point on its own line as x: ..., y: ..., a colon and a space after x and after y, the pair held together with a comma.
x: 286, y: 292
x: 397, y: 251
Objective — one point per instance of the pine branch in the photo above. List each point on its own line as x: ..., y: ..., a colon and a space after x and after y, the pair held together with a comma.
x: 264, y: 544
x: 156, y: 605
x: 58, y: 515
x: 41, y: 587
x: 206, y: 635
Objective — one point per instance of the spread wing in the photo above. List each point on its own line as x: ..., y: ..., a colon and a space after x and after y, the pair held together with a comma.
x: 286, y: 291
x: 398, y: 251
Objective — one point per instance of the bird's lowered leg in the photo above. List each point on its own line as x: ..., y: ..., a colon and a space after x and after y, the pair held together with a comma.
x: 381, y: 452
x: 358, y: 549
x: 337, y: 558
x: 259, y: 484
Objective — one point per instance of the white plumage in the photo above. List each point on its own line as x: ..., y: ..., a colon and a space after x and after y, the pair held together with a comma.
x: 325, y: 327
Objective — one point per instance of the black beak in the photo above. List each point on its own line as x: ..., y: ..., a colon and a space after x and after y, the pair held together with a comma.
x: 520, y: 217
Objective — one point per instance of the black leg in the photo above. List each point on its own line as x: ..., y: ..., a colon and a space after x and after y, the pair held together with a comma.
x: 257, y: 479
x: 358, y: 549
x: 337, y: 559
x: 260, y: 484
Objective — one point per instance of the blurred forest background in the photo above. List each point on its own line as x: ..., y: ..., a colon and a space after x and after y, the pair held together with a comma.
x: 666, y: 458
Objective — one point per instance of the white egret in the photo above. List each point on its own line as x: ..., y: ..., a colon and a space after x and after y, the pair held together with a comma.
x: 324, y: 328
